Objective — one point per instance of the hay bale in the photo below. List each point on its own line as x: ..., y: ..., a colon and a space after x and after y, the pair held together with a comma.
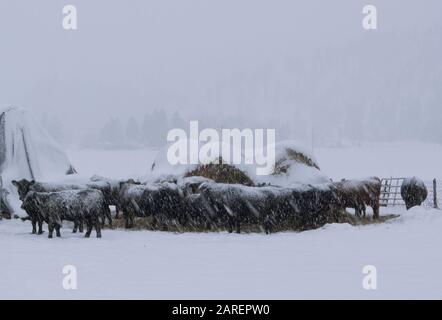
x: 295, y: 164
x: 289, y: 153
x: 221, y: 172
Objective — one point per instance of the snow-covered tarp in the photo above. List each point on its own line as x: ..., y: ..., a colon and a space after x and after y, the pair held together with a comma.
x: 27, y: 151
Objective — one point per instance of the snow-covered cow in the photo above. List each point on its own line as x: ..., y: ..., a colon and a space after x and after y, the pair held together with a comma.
x: 25, y: 186
x: 298, y: 208
x: 162, y: 201
x: 358, y: 194
x: 414, y: 192
x: 110, y: 189
x: 79, y: 206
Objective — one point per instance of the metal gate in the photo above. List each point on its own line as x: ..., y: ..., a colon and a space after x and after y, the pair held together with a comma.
x: 391, y: 193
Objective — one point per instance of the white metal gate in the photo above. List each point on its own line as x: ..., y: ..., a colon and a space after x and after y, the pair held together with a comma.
x: 391, y: 192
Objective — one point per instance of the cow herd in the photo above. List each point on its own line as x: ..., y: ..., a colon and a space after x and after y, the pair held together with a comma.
x: 194, y: 203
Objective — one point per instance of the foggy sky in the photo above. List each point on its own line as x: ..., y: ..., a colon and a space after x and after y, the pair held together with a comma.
x: 306, y: 61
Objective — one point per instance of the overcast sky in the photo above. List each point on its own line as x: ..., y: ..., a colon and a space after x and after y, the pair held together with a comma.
x: 248, y: 57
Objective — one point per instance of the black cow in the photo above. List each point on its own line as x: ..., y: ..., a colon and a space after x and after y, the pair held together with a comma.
x: 298, y: 208
x: 80, y: 206
x: 112, y: 192
x: 24, y: 187
x: 414, y: 192
x: 162, y: 201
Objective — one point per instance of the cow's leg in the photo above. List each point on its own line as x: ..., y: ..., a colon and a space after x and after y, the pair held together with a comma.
x: 75, y: 226
x: 80, y: 226
x: 238, y: 226
x: 132, y: 220
x: 267, y: 226
x: 358, y: 211
x: 376, y: 210
x: 57, y: 230
x: 34, y: 225
x: 129, y: 221
x: 40, y: 226
x: 98, y: 229
x: 89, y: 229
x: 230, y: 224
x: 157, y: 223
x: 109, y: 217
x: 51, y: 230
x: 117, y: 211
x: 126, y: 220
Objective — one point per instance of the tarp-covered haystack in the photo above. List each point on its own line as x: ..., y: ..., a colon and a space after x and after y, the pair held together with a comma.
x: 27, y: 151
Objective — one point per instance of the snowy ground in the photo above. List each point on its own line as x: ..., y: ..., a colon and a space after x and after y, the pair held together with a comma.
x: 325, y: 263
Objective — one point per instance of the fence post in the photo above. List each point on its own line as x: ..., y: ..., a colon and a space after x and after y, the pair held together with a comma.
x: 436, y: 205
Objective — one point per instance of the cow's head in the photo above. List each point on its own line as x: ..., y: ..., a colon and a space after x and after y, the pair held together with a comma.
x: 23, y: 187
x: 30, y: 202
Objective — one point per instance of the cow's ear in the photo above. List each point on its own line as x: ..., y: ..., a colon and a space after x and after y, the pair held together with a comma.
x: 15, y: 183
x: 32, y: 182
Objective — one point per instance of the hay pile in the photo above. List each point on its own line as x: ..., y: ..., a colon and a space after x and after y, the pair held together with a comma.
x: 221, y: 172
x: 288, y: 154
x: 282, y: 165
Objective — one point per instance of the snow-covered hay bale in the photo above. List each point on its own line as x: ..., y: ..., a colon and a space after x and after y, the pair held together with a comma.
x: 221, y: 172
x: 288, y: 153
x: 295, y: 164
x: 414, y: 192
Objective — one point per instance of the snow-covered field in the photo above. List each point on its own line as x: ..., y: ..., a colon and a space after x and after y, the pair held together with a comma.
x: 325, y: 263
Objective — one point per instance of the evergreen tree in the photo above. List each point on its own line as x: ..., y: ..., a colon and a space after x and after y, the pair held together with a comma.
x: 112, y: 134
x: 132, y: 132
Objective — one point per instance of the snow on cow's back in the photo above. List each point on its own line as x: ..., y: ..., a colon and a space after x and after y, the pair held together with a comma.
x: 84, y: 197
x: 414, y: 181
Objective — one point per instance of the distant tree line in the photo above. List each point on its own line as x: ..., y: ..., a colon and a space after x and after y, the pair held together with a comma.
x: 150, y: 131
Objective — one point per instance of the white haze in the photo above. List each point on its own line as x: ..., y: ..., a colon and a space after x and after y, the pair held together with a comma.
x: 304, y: 67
